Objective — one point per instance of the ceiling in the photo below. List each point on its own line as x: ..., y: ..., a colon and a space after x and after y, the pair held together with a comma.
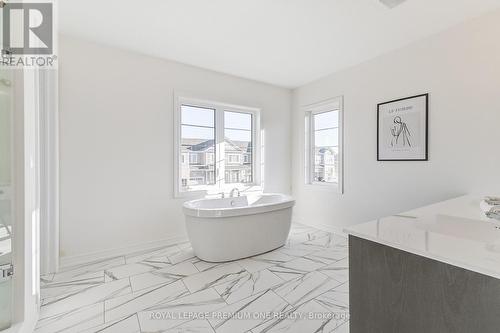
x: 283, y: 42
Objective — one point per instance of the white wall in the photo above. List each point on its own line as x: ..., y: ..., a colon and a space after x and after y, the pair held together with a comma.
x: 116, y: 135
x: 116, y: 150
x: 460, y: 69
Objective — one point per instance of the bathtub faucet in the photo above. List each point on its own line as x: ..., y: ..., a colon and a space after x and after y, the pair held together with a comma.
x: 231, y: 194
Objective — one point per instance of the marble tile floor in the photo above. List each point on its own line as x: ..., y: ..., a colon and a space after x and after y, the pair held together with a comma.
x: 301, y: 287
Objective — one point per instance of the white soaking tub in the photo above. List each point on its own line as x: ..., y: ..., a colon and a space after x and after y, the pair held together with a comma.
x: 234, y: 228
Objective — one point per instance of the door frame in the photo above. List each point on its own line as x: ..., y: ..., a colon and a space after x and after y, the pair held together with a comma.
x: 49, y: 170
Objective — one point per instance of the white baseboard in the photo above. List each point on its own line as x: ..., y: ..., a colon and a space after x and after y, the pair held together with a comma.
x: 80, y: 259
x: 328, y: 228
x: 27, y: 326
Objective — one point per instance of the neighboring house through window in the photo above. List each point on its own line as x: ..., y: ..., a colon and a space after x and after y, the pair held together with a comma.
x: 218, y: 140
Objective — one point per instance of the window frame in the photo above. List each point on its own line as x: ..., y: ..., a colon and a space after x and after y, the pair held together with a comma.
x: 194, y: 158
x: 238, y: 160
x: 219, y: 154
x: 332, y: 104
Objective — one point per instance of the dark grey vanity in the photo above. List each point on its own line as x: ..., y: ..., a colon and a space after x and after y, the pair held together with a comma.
x: 434, y: 269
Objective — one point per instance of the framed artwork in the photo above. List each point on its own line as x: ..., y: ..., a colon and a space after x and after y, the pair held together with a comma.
x: 402, y: 129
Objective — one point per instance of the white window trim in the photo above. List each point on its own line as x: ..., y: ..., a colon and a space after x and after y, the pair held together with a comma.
x: 310, y: 110
x: 220, y: 186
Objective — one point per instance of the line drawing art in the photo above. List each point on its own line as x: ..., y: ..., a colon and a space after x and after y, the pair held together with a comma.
x: 400, y: 133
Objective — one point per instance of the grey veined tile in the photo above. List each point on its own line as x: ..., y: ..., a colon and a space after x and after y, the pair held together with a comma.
x: 86, y: 297
x: 84, y: 271
x: 305, y: 288
x: 75, y: 320
x: 296, y: 268
x: 248, y: 313
x: 307, y: 236
x: 204, y: 265
x: 336, y: 300
x: 127, y: 305
x: 128, y: 324
x: 53, y: 291
x: 185, y: 253
x: 295, y: 250
x: 75, y: 279
x: 323, y: 241
x: 263, y: 261
x: 194, y: 326
x: 127, y: 270
x: 46, y: 278
x: 259, y: 294
x: 213, y: 277
x: 308, y: 317
x: 329, y: 256
x: 286, y: 274
x: 163, y: 257
x: 334, y: 324
x: 247, y: 285
x: 342, y: 328
x: 297, y: 228
x: 303, y: 264
x: 180, y: 311
x: 162, y: 276
x: 338, y: 270
x: 151, y: 255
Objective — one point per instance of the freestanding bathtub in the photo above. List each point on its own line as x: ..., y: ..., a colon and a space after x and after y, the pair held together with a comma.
x: 234, y: 228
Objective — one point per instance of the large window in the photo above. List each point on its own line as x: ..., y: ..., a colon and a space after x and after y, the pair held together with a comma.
x: 324, y: 143
x: 216, y: 146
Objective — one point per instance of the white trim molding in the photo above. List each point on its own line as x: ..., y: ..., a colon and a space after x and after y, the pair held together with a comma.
x: 49, y: 169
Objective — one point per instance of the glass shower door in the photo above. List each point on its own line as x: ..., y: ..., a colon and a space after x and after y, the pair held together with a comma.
x: 6, y: 202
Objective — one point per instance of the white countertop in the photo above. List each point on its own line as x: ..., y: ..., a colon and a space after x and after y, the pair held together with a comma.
x: 455, y: 232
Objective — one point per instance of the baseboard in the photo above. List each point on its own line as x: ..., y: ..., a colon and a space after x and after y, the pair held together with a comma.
x: 328, y: 228
x: 27, y: 326
x: 81, y: 259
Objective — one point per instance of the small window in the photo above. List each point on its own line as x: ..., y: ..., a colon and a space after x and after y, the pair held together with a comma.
x: 215, y: 140
x: 324, y: 143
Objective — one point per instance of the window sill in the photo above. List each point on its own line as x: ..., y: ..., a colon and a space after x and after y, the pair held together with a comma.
x: 245, y: 189
x: 324, y: 187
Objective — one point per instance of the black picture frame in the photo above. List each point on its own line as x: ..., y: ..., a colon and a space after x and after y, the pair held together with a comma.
x: 426, y: 136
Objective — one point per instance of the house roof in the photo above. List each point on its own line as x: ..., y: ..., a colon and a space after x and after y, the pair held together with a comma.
x: 202, y: 145
x: 326, y: 150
